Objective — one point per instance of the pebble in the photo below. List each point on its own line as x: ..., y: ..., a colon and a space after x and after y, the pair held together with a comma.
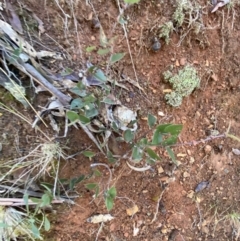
x: 182, y: 61
x: 177, y: 63
x: 93, y: 38
x: 214, y: 77
x: 207, y: 149
x: 160, y: 113
x: 186, y: 174
x: 160, y: 170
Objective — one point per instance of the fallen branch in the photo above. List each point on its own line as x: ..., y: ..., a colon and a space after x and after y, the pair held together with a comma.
x: 21, y: 202
x: 64, y: 99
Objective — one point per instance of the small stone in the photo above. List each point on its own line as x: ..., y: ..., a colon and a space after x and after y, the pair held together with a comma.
x: 93, y: 38
x: 128, y: 100
x: 164, y: 178
x: 186, y: 174
x: 207, y: 63
x: 164, y: 230
x: 177, y: 63
x: 182, y: 61
x: 126, y: 235
x: 160, y: 170
x: 214, y: 77
x: 172, y: 59
x: 198, y: 114
x: 207, y: 149
x: 192, y: 160
x: 160, y: 113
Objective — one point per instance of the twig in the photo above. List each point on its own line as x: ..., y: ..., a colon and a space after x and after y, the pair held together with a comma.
x: 64, y: 99
x: 157, y: 207
x: 105, y: 165
x: 90, y: 135
x: 199, y: 212
x: 126, y: 36
x: 210, y: 138
x: 21, y: 202
x: 99, y: 231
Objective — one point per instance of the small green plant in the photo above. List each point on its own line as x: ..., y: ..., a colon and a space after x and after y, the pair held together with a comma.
x: 186, y: 11
x: 164, y: 136
x: 183, y: 84
x: 166, y: 31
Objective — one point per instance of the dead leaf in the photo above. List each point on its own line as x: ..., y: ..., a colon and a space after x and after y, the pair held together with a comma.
x: 17, y: 39
x: 167, y: 91
x: 236, y: 151
x: 131, y: 211
x: 139, y: 169
x: 13, y: 18
x: 44, y: 53
x: 100, y: 218
x: 40, y: 24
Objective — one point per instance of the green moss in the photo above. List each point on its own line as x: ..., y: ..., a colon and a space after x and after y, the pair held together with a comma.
x: 182, y: 83
x: 166, y: 31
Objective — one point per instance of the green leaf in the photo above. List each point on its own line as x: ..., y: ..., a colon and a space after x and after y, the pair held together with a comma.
x: 108, y: 101
x: 25, y: 199
x: 35, y: 200
x: 115, y: 127
x: 90, y: 49
x: 96, y: 191
x: 89, y: 99
x: 171, y: 154
x: 137, y: 153
x: 97, y: 173
x: 161, y: 128
x: 151, y: 120
x: 100, y: 75
x: 116, y: 57
x: 72, y: 116
x: 170, y: 140
x: 157, y: 137
x: 128, y: 135
x: 150, y: 161
x: 78, y: 91
x: 83, y: 119
x: 66, y: 71
x: 103, y: 38
x: 173, y: 129
x: 112, y: 192
x: 35, y: 231
x: 110, y: 157
x: 131, y: 1
x: 143, y: 142
x: 75, y: 181
x: 47, y: 224
x: 152, y: 154
x: 77, y: 104
x: 92, y: 111
x: 109, y: 203
x: 103, y: 51
x: 91, y: 186
x: 46, y: 200
x: 89, y: 154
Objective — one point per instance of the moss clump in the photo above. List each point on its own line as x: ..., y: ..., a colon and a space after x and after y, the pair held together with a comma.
x: 182, y: 83
x: 166, y: 31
